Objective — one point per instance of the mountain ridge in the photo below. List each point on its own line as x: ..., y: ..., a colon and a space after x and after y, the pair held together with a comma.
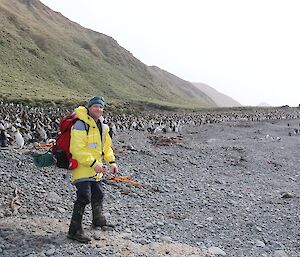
x: 47, y: 57
x: 219, y: 98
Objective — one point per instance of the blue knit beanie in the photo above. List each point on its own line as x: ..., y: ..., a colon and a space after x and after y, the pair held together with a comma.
x: 96, y: 100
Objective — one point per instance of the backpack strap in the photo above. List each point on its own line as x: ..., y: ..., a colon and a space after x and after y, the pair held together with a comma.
x: 99, y: 125
x: 81, y: 125
x: 101, y: 131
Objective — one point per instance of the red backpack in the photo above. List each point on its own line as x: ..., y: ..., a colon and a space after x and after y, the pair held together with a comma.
x: 61, y: 150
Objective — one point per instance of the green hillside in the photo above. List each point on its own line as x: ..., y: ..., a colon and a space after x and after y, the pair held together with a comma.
x: 47, y: 58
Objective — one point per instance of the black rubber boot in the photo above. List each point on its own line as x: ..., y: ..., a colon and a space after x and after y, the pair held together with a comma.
x: 75, y: 229
x: 99, y: 219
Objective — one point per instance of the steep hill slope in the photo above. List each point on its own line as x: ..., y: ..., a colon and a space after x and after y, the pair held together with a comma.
x: 220, y: 99
x: 46, y: 57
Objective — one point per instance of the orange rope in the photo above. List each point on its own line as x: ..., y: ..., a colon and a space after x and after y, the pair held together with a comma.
x: 124, y: 179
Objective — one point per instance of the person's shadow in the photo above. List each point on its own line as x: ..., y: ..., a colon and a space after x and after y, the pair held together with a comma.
x: 23, y: 242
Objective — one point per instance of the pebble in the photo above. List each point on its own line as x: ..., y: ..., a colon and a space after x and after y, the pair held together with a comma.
x: 280, y: 253
x: 22, y: 210
x: 97, y: 235
x: 128, y: 230
x: 53, y: 197
x: 259, y: 243
x: 259, y: 229
x: 142, y: 241
x: 126, y: 236
x: 50, y: 252
x: 216, y: 251
x: 61, y: 210
x: 166, y: 239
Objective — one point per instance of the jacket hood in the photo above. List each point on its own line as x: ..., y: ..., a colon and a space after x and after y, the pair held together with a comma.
x: 82, y: 114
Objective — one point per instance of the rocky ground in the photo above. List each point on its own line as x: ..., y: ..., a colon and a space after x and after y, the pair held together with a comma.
x: 221, y: 189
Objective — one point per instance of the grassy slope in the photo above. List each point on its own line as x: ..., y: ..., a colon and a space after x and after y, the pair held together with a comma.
x: 46, y: 57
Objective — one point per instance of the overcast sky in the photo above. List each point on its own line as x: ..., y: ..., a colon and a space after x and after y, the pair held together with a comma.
x: 246, y: 49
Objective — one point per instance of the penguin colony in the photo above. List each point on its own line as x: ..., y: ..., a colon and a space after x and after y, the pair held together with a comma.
x: 23, y: 125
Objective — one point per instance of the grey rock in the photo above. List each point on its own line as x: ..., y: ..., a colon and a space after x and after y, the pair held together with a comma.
x: 216, y: 251
x: 166, y: 239
x: 259, y: 243
x: 280, y: 253
x: 97, y: 235
x: 53, y: 197
x: 126, y: 236
x: 50, y: 252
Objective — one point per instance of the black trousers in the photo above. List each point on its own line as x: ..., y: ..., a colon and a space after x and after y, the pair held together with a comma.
x: 89, y: 192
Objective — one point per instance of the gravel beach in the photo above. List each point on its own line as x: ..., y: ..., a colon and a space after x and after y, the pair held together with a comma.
x: 223, y: 189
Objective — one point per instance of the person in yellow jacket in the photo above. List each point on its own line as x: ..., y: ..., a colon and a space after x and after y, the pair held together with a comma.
x: 90, y: 144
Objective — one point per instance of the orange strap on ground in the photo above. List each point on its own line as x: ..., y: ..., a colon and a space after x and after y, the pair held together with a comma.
x: 124, y: 179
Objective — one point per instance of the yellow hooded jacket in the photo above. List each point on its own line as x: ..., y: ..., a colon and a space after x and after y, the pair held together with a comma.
x: 87, y: 148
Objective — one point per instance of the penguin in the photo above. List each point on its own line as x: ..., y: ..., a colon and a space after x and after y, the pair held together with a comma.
x: 3, y: 138
x: 19, y: 138
x: 42, y: 133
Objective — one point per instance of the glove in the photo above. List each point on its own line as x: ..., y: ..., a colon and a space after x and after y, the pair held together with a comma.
x: 114, y: 168
x: 100, y: 168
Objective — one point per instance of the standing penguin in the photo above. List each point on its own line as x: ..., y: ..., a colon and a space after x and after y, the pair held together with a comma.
x: 42, y: 133
x: 19, y: 139
x: 3, y: 138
